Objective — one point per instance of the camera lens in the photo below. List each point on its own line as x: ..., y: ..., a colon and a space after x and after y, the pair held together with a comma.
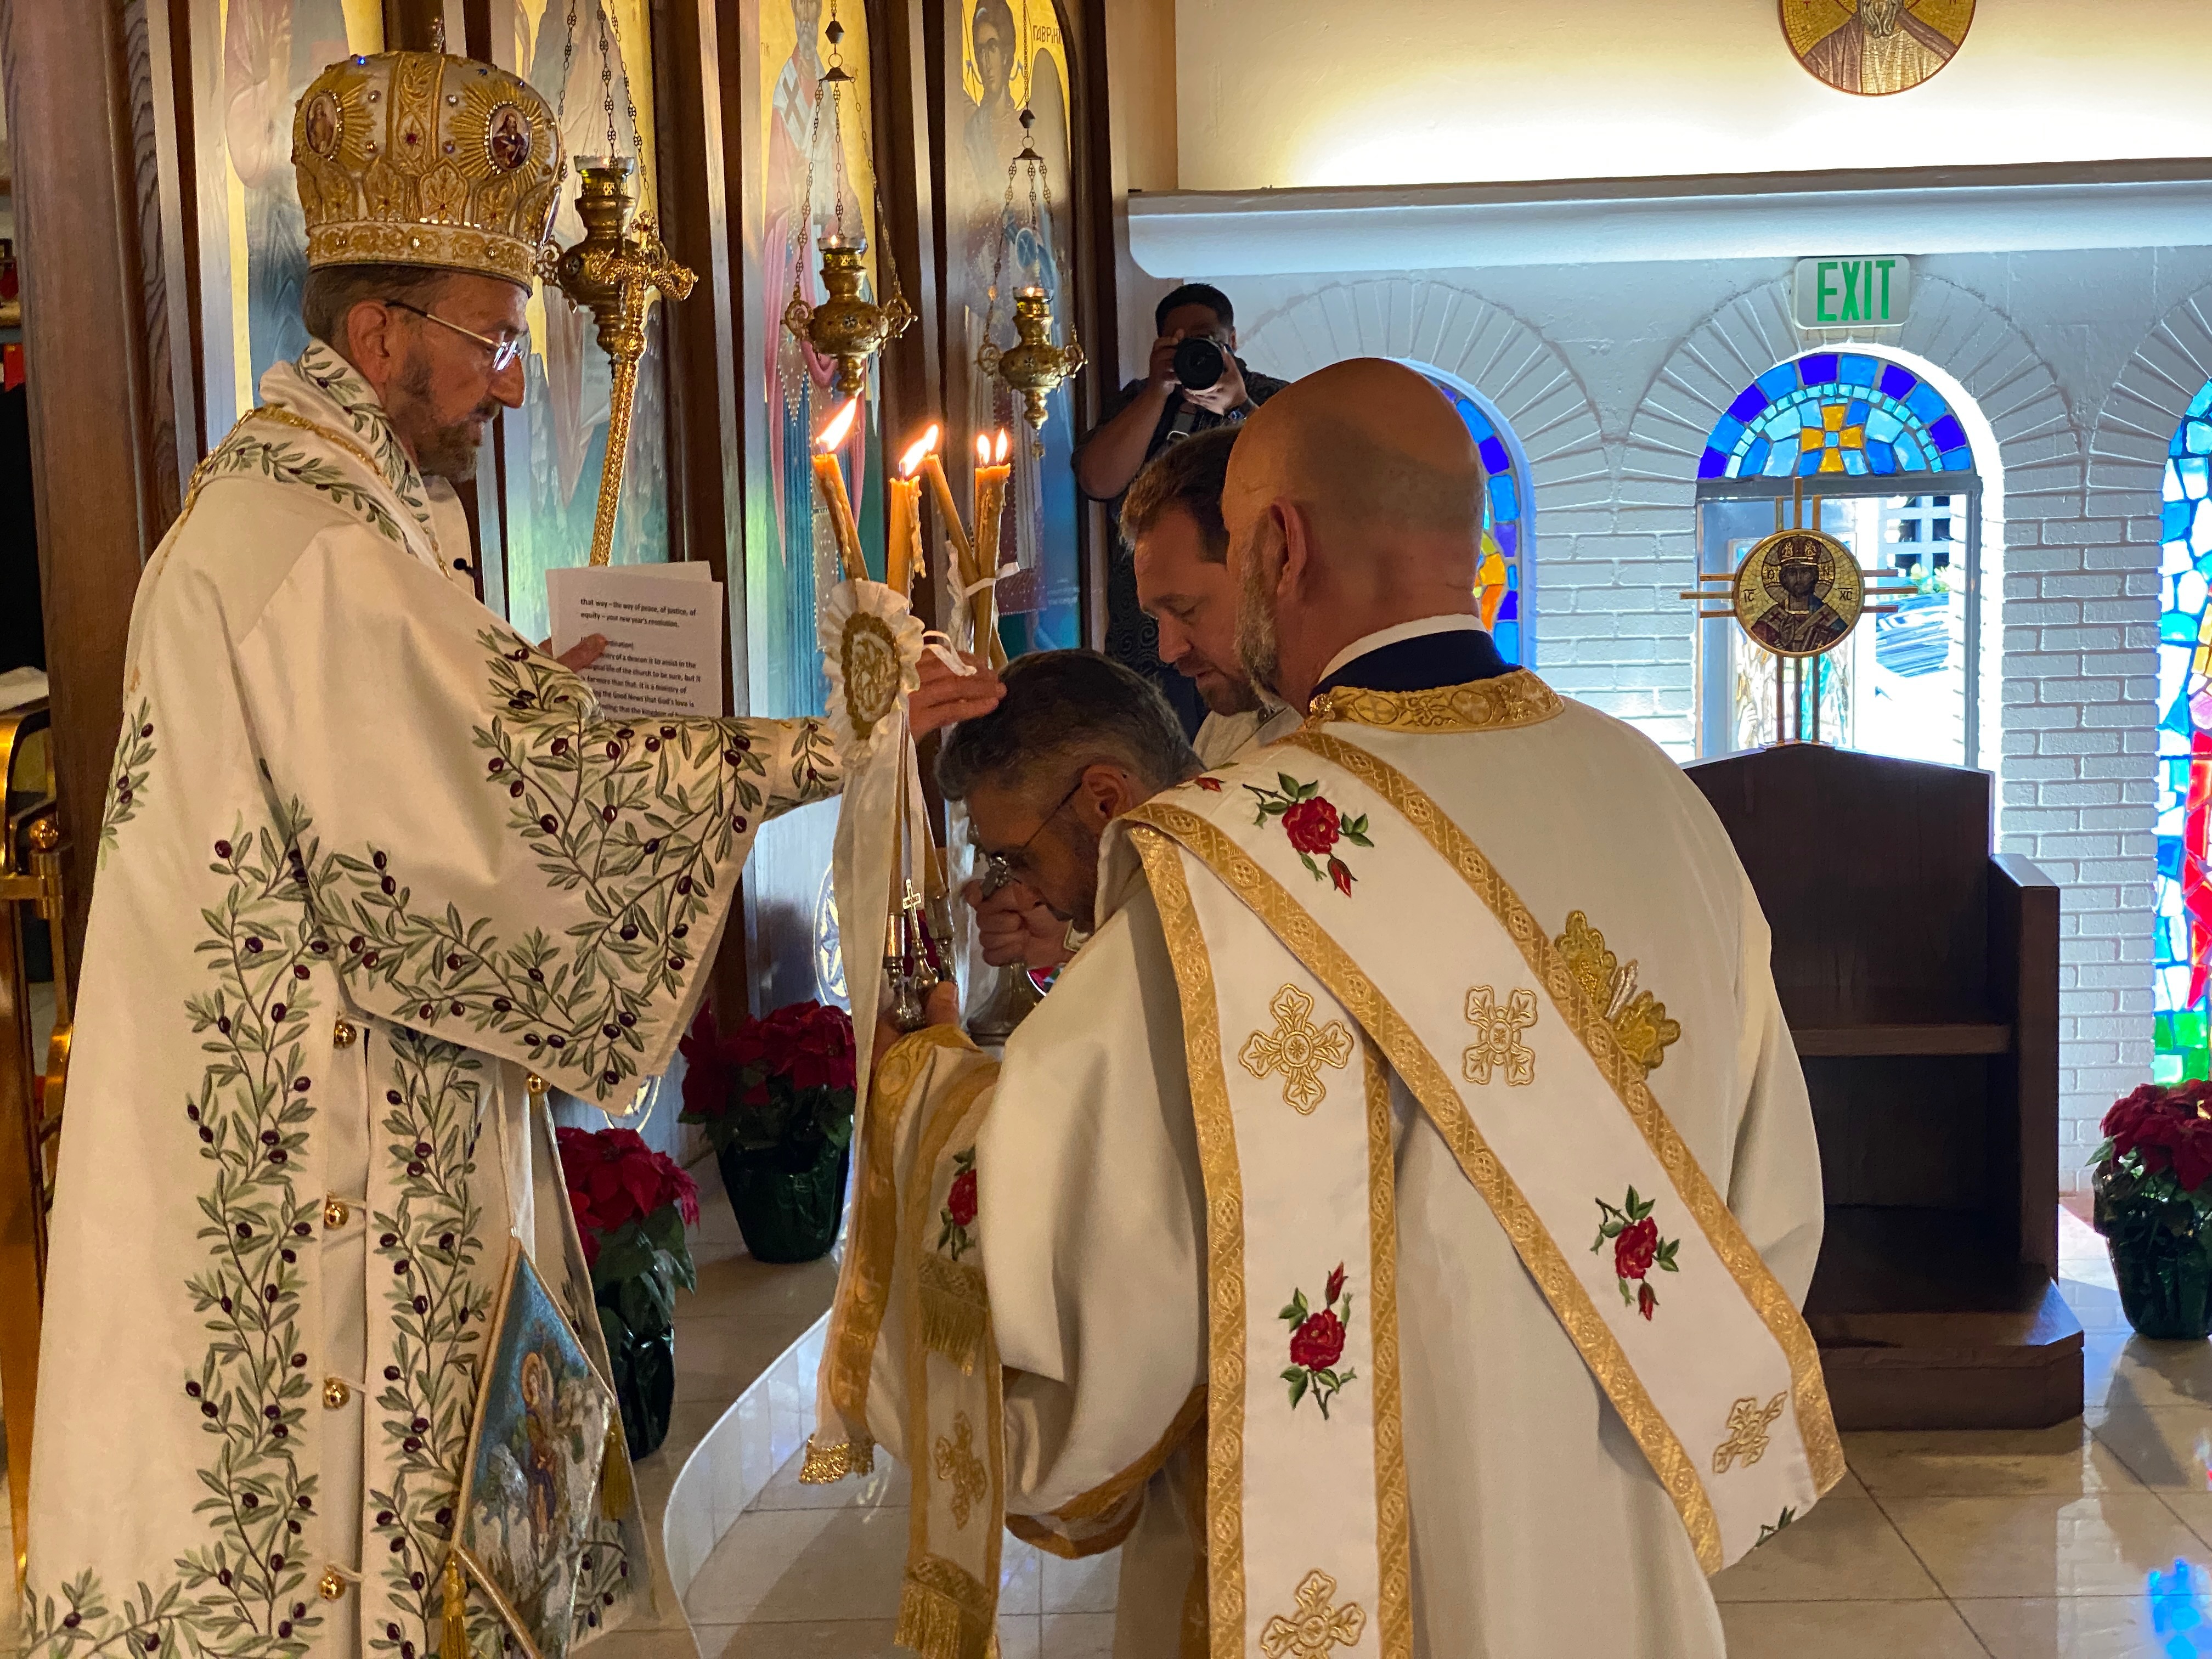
x: 1198, y: 363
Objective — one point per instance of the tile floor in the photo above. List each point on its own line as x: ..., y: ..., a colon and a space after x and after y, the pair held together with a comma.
x: 2089, y: 1540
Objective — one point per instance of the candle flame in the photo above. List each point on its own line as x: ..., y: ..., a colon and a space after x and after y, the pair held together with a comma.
x: 921, y: 446
x: 832, y: 435
x: 928, y: 441
x: 982, y: 449
x: 1000, y: 455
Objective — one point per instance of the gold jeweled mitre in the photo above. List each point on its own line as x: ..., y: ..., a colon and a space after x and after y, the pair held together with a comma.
x: 417, y: 158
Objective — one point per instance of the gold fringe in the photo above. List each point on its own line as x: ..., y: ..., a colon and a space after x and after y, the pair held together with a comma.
x: 956, y: 1311
x: 933, y: 1621
x: 454, y: 1645
x: 826, y: 1465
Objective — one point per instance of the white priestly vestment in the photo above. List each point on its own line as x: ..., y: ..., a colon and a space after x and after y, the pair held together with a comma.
x: 1054, y: 1220
x: 369, y: 859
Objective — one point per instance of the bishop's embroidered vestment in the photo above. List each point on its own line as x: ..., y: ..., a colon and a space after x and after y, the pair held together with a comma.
x: 369, y: 859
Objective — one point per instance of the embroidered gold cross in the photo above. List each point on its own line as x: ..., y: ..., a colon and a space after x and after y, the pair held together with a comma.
x: 1497, y: 1044
x: 1314, y: 1627
x: 1638, y: 1019
x: 1748, y: 1422
x: 959, y: 1469
x: 1299, y: 1049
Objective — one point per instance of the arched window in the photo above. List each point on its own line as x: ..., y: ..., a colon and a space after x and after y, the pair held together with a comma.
x: 1851, y: 432
x: 1502, y: 591
x: 2181, y: 936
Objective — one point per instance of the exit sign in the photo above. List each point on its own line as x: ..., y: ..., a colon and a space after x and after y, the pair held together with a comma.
x: 1867, y: 292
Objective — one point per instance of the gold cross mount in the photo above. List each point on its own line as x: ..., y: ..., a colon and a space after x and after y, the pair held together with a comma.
x: 1298, y: 1049
x: 632, y: 270
x: 1497, y: 1043
x: 1314, y: 1627
x: 1748, y: 1422
x: 960, y: 1469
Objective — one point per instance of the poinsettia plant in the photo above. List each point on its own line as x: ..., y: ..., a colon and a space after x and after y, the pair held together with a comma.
x: 2157, y: 1150
x: 780, y: 1083
x: 632, y: 1204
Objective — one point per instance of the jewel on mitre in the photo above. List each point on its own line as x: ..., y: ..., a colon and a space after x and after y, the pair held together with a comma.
x: 872, y: 645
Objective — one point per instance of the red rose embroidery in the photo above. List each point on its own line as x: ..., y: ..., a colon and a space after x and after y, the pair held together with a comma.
x: 958, y: 1213
x: 1636, y: 1249
x: 1311, y: 825
x: 1314, y: 827
x: 960, y: 1202
x: 1317, y: 1343
x: 1211, y: 785
x: 1633, y: 1250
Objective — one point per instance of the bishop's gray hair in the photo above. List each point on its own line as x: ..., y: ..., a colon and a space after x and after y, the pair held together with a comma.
x: 1065, y: 710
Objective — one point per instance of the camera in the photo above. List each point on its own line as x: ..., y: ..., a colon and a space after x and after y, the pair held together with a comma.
x: 1198, y: 363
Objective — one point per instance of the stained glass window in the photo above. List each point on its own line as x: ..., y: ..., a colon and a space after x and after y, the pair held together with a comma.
x: 1500, y: 592
x: 1833, y: 411
x: 2181, y: 927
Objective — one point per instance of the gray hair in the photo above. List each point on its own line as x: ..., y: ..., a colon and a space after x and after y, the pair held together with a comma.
x: 331, y: 292
x: 1065, y: 710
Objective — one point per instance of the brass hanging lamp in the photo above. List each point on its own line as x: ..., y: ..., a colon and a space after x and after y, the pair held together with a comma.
x: 616, y: 271
x: 846, y: 328
x: 1033, y: 368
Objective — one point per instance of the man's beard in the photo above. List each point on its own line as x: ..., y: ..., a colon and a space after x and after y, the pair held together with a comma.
x: 1880, y: 17
x: 440, y: 452
x: 1259, y: 650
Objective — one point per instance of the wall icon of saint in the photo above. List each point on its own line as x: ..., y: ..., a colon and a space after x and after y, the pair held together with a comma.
x: 1874, y: 47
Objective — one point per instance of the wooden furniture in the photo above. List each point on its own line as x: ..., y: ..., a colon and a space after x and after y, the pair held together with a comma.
x: 1919, y: 973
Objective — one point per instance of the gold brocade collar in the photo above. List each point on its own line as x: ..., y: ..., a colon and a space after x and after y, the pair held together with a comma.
x: 1517, y: 698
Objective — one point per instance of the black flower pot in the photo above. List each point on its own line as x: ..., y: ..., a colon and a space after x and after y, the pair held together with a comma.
x: 787, y: 1206
x: 645, y: 1383
x: 2161, y: 1260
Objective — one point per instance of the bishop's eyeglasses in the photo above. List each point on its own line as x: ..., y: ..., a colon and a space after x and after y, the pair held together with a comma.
x: 504, y: 352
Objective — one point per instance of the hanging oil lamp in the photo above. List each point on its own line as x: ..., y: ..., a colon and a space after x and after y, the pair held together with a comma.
x: 1033, y: 368
x: 846, y: 328
x: 615, y: 272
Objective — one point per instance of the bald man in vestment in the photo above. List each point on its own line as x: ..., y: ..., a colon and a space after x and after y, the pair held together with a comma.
x: 1389, y: 1232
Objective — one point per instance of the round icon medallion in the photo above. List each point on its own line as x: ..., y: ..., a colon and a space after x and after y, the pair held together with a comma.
x: 324, y: 125
x: 506, y: 137
x: 1873, y: 47
x: 1799, y: 592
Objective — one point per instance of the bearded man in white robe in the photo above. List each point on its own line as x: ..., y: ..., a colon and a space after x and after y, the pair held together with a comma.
x: 372, y: 866
x: 1389, y: 1231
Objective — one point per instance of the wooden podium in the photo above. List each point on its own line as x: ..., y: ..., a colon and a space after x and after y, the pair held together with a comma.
x: 1919, y: 973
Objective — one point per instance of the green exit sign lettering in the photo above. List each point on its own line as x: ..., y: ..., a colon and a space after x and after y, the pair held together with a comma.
x: 1867, y: 292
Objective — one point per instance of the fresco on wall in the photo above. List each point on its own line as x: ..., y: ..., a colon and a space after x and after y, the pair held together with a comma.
x: 1007, y: 54
x: 554, y: 445
x: 810, y: 175
x: 251, y: 61
x: 1874, y: 47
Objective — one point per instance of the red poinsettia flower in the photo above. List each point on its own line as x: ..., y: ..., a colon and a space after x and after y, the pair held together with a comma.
x: 1211, y: 785
x: 2168, y: 1130
x: 1318, y: 1343
x: 960, y: 1201
x: 1633, y: 1252
x: 1311, y: 825
x: 613, y: 1178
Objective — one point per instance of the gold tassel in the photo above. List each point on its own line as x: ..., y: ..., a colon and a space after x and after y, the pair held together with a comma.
x: 936, y: 1627
x: 455, y: 1642
x: 614, y: 1472
x: 827, y: 1464
x: 956, y: 1315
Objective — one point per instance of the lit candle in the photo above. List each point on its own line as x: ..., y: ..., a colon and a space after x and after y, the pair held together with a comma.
x: 947, y: 514
x: 902, y: 557
x: 830, y: 480
x: 991, y: 470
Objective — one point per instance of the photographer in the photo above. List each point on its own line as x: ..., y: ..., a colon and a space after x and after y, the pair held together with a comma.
x: 1196, y: 383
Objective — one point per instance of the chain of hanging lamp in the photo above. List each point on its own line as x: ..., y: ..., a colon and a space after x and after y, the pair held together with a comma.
x: 988, y: 356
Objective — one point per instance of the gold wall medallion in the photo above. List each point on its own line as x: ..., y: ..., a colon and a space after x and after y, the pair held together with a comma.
x: 1298, y: 1049
x: 960, y: 1469
x: 1875, y: 47
x: 1748, y: 1425
x: 1638, y: 1019
x: 1497, y: 1044
x: 1315, y: 1626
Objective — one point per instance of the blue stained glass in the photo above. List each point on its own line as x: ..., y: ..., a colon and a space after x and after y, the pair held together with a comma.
x: 2201, y: 403
x: 1503, y: 515
x: 2169, y: 857
x: 2194, y: 475
x: 2173, y: 521
x: 2200, y: 438
x: 1864, y: 415
x: 2181, y: 944
x: 2176, y: 627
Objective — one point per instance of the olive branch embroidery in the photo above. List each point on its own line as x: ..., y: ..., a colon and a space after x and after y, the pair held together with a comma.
x: 134, y: 761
